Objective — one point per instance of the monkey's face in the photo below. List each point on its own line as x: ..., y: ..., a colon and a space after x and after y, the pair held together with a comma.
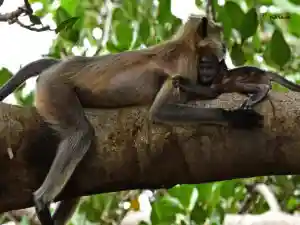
x: 208, y: 69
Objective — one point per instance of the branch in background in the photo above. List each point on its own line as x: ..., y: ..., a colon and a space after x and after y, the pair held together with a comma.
x: 26, y: 10
x: 16, y: 216
x: 30, y: 27
x: 268, y: 195
x: 8, y: 17
x: 251, y: 197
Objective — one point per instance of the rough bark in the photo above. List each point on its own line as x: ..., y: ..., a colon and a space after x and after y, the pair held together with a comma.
x: 121, y: 160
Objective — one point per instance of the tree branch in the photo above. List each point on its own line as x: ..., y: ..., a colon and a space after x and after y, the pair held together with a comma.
x: 121, y: 160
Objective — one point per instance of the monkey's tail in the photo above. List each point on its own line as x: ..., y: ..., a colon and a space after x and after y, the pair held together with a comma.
x: 284, y: 82
x: 30, y: 70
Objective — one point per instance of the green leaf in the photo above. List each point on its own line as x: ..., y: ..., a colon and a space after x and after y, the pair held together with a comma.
x: 280, y: 50
x: 131, y: 8
x: 293, y: 24
x: 199, y: 214
x: 228, y: 188
x: 297, y: 2
x: 164, y: 11
x: 61, y: 15
x: 164, y: 210
x: 112, y: 48
x: 70, y: 35
x: 143, y: 223
x: 186, y: 195
x: 25, y: 101
x: 237, y: 55
x: 67, y: 24
x: 5, y: 75
x: 204, y: 191
x: 226, y: 22
x: 199, y: 3
x: 124, y: 34
x: 235, y: 13
x: 35, y: 19
x: 93, y: 207
x: 249, y: 24
x: 70, y: 6
x: 144, y: 31
x: 216, y: 194
x: 24, y: 221
x: 256, y: 43
x: 118, y: 15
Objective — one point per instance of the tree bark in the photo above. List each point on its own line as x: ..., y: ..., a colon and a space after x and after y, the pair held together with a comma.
x: 121, y: 160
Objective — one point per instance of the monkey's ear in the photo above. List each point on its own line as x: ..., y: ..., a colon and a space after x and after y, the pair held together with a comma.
x: 202, y: 28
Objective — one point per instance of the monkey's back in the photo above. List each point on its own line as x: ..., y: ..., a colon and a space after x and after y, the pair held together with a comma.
x: 110, y: 81
x: 246, y: 74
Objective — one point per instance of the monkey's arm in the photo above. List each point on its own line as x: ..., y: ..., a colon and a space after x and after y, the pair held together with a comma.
x: 195, y: 91
x: 166, y: 108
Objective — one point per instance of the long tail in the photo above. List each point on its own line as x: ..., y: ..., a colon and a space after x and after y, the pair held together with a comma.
x: 30, y: 70
x: 284, y: 82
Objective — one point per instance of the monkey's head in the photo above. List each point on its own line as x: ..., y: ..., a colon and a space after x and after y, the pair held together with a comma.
x: 201, y: 33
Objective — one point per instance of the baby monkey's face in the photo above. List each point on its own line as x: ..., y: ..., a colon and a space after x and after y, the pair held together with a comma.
x: 208, y: 69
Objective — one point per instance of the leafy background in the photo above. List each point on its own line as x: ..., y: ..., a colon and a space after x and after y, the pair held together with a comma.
x: 262, y: 33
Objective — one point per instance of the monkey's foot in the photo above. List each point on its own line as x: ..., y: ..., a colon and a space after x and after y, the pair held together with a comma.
x: 246, y: 106
x: 244, y: 119
x: 42, y: 211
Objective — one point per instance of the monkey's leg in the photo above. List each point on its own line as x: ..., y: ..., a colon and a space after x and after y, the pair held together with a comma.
x: 166, y: 109
x: 75, y: 130
x: 258, y: 93
x: 64, y: 211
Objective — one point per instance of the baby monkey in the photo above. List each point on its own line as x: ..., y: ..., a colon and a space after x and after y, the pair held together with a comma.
x: 246, y: 80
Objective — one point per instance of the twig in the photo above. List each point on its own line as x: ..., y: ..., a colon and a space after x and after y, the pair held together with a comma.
x: 30, y: 27
x: 252, y: 195
x: 269, y: 196
x: 7, y: 17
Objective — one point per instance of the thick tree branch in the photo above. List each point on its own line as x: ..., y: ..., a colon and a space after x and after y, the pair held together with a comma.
x: 121, y: 160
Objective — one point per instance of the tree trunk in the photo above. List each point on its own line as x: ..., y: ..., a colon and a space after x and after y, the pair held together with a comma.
x: 121, y: 159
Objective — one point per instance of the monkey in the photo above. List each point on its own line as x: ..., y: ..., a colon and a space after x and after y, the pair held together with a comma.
x: 247, y: 80
x: 131, y: 78
x: 30, y: 70
x: 254, y: 82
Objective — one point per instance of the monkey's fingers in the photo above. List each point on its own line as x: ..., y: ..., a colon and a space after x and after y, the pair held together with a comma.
x: 244, y: 119
x: 43, y: 212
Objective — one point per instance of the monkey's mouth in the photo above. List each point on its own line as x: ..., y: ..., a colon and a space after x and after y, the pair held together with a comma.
x: 207, y: 74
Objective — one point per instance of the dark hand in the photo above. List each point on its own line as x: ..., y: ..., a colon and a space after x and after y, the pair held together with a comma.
x: 218, y: 88
x: 176, y: 81
x: 244, y: 118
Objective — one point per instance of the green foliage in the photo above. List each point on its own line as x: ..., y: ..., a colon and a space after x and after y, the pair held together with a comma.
x: 5, y: 74
x: 249, y: 24
x: 280, y: 50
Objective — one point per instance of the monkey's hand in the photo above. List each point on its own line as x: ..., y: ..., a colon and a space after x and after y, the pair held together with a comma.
x: 244, y: 118
x: 177, y: 81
